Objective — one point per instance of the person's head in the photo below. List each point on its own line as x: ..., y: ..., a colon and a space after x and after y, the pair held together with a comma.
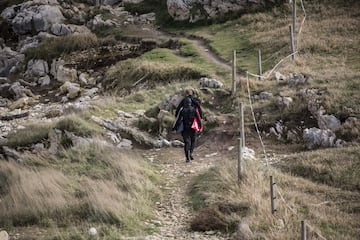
x: 188, y: 92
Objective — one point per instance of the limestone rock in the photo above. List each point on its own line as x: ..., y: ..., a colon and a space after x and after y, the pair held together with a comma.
x: 244, y: 232
x: 210, y: 83
x: 37, y: 68
x: 44, y: 81
x: 33, y: 18
x: 9, y: 61
x: 12, y: 154
x: 315, y: 138
x: 71, y: 89
x: 4, y: 235
x: 195, y: 10
x: 284, y: 102
x: 65, y: 74
x: 328, y: 122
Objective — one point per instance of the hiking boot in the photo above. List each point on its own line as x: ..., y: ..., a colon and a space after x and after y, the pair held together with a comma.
x: 187, y: 160
x: 191, y: 157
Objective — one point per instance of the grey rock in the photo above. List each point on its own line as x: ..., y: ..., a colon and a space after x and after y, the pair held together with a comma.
x: 296, y: 79
x: 37, y: 68
x: 177, y: 143
x: 284, y: 102
x: 328, y: 122
x: 4, y: 235
x: 244, y: 232
x: 12, y: 154
x: 315, y: 138
x: 195, y: 10
x: 205, y: 82
x: 44, y: 81
x: 54, y: 138
x: 125, y: 143
x: 34, y: 19
x: 9, y: 61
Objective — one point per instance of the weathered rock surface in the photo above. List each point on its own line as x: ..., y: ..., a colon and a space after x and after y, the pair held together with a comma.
x: 32, y: 18
x: 315, y: 138
x: 9, y: 60
x: 195, y: 10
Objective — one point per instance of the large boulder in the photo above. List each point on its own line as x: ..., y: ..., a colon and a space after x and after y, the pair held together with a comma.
x: 28, y: 18
x: 195, y: 10
x: 315, y: 138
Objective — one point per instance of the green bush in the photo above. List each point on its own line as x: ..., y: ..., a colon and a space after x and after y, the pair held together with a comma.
x: 31, y: 134
x: 52, y: 48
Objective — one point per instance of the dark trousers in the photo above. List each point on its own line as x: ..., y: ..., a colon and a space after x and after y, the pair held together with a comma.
x: 189, y: 138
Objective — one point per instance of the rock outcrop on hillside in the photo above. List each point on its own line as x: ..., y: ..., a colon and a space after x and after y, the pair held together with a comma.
x: 195, y: 10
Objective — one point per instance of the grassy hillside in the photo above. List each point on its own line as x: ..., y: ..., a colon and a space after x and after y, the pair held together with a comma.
x: 115, y: 190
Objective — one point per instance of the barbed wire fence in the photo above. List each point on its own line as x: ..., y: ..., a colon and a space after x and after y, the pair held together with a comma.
x: 269, y: 171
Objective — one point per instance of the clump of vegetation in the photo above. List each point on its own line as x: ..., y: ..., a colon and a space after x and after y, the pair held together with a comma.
x: 78, y: 126
x: 36, y: 133
x: 31, y: 134
x: 159, y: 66
x: 222, y: 202
x: 52, y: 48
x: 102, y: 184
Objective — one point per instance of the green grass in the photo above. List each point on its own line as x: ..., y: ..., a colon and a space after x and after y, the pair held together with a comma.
x: 29, y: 135
x: 35, y: 133
x: 52, y: 48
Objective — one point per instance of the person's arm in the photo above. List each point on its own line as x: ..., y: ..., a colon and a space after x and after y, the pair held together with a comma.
x: 196, y: 102
x: 181, y: 104
x: 197, y: 116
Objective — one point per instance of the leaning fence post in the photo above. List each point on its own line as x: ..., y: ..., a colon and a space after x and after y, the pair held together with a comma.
x: 239, y: 160
x: 303, y: 230
x: 272, y: 195
x: 259, y: 64
x: 234, y: 73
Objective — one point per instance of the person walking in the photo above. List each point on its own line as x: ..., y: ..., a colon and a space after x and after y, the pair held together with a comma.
x: 194, y: 101
x: 186, y: 116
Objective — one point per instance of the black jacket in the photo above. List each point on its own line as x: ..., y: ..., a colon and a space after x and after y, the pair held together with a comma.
x: 195, y: 103
x: 187, y: 115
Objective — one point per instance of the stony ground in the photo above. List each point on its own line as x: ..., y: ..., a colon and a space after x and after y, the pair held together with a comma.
x: 173, y: 215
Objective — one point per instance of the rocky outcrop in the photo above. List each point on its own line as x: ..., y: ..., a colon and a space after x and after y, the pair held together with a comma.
x: 195, y: 10
x: 315, y: 138
x: 32, y: 17
x: 205, y: 82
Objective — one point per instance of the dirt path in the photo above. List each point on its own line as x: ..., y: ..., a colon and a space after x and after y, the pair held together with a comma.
x: 173, y: 214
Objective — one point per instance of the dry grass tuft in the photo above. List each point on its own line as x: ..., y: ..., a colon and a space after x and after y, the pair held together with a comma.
x: 303, y: 200
x: 32, y: 194
x: 94, y: 182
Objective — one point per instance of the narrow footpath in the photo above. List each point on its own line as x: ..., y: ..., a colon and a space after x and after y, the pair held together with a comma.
x: 173, y: 215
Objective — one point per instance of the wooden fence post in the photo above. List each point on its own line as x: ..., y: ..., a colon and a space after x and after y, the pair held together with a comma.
x: 294, y: 18
x: 272, y: 195
x: 259, y: 64
x: 303, y: 230
x: 234, y: 73
x: 292, y: 42
x: 239, y: 159
x: 242, y: 128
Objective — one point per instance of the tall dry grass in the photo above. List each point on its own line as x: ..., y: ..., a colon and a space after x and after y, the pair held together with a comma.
x: 320, y: 206
x: 94, y: 183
